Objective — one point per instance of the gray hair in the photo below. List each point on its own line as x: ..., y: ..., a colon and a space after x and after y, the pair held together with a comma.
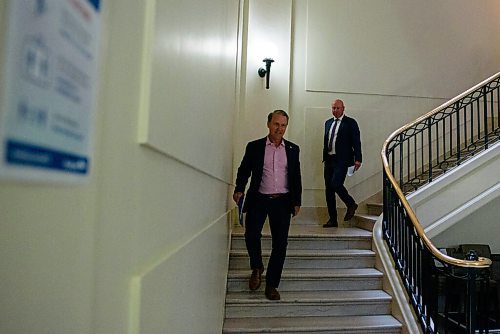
x: 277, y: 112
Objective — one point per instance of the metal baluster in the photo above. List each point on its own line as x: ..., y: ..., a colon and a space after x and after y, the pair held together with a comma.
x: 498, y: 107
x: 401, y: 161
x: 458, y: 133
x: 465, y: 128
x: 492, y: 113
x: 422, y: 170
x: 450, y: 150
x: 429, y: 138
x: 472, y: 124
x: 485, y: 119
x: 470, y: 312
x: 437, y: 145
x: 478, y: 119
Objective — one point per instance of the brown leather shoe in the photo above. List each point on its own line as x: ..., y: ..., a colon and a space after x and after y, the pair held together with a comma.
x: 350, y: 212
x: 331, y: 223
x: 272, y: 293
x: 255, y: 279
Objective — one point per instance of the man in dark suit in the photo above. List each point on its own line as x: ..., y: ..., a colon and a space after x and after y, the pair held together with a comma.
x: 275, y: 191
x: 341, y: 149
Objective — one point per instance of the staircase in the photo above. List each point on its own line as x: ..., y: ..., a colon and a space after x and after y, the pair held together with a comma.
x: 329, y: 283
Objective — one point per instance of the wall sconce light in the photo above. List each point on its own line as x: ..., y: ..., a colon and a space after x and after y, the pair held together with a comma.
x: 267, y: 71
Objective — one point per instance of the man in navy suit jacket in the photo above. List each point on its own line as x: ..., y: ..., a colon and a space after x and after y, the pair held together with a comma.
x: 275, y: 191
x: 341, y: 149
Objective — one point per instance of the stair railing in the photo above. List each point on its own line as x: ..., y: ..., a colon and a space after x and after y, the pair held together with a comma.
x: 415, y: 155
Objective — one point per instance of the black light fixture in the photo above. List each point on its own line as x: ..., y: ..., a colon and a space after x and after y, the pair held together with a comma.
x: 267, y: 71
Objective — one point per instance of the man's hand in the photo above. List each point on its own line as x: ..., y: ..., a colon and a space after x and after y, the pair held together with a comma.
x: 357, y: 165
x: 237, y: 196
x: 296, y: 210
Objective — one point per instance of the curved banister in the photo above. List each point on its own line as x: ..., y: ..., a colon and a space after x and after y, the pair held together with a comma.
x: 441, y: 107
x: 480, y: 263
x: 417, y: 154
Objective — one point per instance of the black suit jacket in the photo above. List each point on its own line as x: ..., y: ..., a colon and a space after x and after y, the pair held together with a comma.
x: 253, y: 164
x: 348, y: 143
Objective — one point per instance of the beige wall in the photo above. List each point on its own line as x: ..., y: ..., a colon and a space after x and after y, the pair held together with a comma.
x: 388, y: 60
x: 460, y: 206
x: 336, y: 55
x: 267, y: 34
x: 47, y: 249
x: 475, y: 228
x: 142, y: 247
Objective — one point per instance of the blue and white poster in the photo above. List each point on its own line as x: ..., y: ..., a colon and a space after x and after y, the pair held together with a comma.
x: 49, y: 86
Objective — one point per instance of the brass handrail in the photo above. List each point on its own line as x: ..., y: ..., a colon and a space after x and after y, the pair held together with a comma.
x: 481, y: 262
x: 418, y: 153
x: 438, y: 109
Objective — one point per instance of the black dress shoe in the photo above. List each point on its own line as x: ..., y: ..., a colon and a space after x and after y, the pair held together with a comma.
x: 331, y: 223
x: 255, y: 279
x: 350, y: 212
x: 272, y: 293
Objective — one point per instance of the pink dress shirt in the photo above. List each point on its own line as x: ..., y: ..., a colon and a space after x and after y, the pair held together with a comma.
x: 275, y: 172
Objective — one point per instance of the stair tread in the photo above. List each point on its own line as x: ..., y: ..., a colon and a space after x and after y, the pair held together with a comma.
x: 312, y: 231
x: 366, y: 215
x: 316, y: 273
x: 312, y: 324
x: 344, y: 297
x: 312, y: 252
x: 314, y: 299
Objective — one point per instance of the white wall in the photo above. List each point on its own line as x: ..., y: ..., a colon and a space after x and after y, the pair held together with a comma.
x: 400, y: 47
x: 47, y: 250
x: 336, y: 54
x: 141, y: 248
x: 344, y: 49
x: 478, y: 227
x: 436, y: 203
x: 460, y: 206
x: 267, y: 34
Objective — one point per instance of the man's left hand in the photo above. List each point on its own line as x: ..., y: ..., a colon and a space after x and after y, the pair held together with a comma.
x: 357, y: 165
x: 296, y: 210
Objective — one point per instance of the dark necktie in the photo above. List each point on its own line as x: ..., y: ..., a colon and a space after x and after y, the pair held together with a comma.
x: 330, y: 142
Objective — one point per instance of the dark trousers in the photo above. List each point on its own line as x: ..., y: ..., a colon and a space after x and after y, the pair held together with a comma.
x: 335, y: 172
x: 278, y: 210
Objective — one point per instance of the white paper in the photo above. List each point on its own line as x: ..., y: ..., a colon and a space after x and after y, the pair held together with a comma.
x: 350, y: 171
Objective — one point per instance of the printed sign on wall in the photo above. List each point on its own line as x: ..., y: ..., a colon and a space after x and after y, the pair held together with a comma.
x: 49, y: 89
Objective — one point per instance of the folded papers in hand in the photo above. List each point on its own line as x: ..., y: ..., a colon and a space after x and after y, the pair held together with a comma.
x: 240, y: 209
x: 350, y: 171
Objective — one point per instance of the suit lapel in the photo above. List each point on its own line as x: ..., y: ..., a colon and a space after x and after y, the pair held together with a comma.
x: 341, y: 127
x: 328, y: 126
x: 287, y: 150
x: 261, y: 153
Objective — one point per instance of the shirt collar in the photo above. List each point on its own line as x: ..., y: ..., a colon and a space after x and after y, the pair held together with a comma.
x: 268, y: 142
x: 340, y: 118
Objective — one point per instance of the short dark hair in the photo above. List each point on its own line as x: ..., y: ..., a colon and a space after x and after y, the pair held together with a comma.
x: 277, y: 112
